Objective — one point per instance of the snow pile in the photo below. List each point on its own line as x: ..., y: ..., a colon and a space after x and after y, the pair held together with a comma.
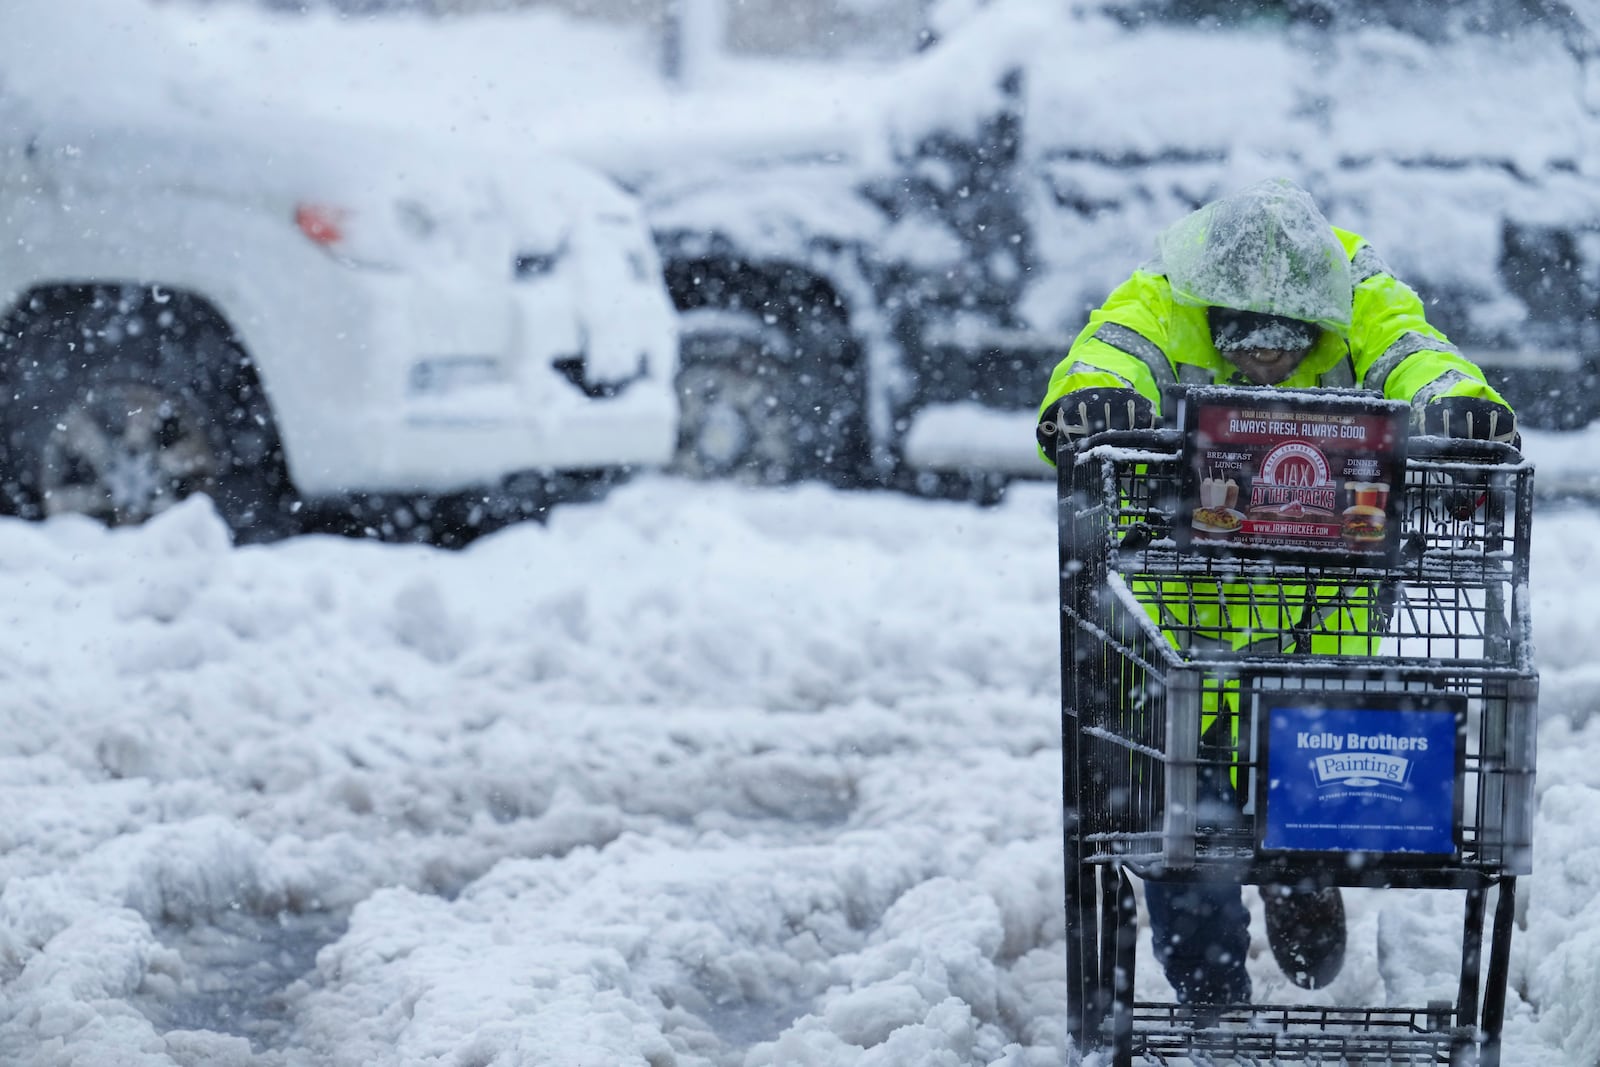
x: 692, y: 776
x: 679, y: 782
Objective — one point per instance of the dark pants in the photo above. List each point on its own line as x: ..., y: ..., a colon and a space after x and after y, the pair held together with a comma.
x: 1201, y: 932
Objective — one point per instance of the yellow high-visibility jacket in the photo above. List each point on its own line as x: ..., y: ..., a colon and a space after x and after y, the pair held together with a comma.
x: 1144, y: 338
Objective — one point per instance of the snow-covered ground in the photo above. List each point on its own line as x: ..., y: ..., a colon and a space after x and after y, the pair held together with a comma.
x: 691, y: 776
x: 694, y: 775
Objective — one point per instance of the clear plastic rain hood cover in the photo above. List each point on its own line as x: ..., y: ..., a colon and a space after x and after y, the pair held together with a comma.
x: 1267, y: 248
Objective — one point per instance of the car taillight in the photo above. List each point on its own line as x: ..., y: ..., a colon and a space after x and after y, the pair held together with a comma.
x: 321, y: 223
x: 351, y: 236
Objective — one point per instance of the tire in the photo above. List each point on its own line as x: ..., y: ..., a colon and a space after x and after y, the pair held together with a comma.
x: 761, y: 405
x: 120, y: 403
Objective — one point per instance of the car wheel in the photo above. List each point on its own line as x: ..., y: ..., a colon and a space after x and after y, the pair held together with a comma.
x: 122, y: 452
x: 118, y: 408
x: 757, y: 405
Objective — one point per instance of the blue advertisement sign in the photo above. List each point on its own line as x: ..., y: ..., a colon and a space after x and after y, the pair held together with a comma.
x: 1361, y: 779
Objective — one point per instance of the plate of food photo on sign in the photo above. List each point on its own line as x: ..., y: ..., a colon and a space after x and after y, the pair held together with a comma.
x: 1216, y: 516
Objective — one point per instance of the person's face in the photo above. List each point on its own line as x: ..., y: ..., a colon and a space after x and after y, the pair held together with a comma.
x: 1267, y: 366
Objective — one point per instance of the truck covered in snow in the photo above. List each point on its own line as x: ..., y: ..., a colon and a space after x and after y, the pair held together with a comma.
x: 876, y: 287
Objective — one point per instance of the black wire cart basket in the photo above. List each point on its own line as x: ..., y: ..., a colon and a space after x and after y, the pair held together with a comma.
x: 1368, y: 702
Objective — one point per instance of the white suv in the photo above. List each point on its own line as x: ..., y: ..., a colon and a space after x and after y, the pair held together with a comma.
x: 270, y: 308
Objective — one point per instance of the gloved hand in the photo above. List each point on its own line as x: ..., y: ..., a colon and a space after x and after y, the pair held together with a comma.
x: 1087, y: 411
x: 1472, y: 417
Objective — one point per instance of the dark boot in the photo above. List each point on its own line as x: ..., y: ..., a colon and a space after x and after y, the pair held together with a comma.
x: 1305, y: 928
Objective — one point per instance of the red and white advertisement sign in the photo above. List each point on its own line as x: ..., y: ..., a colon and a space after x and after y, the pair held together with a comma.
x: 1271, y: 472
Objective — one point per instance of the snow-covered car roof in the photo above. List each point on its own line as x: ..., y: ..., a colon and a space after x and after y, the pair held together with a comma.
x: 91, y: 68
x: 1424, y: 132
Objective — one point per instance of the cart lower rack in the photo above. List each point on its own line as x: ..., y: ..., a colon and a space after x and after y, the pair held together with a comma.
x: 1334, y: 1036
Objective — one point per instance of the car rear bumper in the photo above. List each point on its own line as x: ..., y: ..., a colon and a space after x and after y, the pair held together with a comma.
x: 487, y: 436
x: 433, y: 387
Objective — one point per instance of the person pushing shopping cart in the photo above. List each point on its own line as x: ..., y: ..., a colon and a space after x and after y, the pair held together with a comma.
x: 1258, y: 290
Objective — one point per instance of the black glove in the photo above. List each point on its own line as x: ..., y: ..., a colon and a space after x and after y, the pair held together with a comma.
x: 1087, y: 411
x: 1469, y: 416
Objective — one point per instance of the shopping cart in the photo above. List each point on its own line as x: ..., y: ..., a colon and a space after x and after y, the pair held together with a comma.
x: 1440, y: 623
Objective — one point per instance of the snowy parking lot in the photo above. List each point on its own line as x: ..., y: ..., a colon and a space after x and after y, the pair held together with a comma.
x: 694, y: 775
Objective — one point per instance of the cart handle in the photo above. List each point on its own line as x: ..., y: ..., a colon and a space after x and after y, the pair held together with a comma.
x: 1420, y: 446
x: 1163, y: 439
x: 1463, y: 450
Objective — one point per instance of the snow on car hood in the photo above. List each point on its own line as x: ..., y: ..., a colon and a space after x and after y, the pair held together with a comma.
x: 1518, y: 99
x: 1088, y: 85
x: 408, y: 206
x: 1306, y: 93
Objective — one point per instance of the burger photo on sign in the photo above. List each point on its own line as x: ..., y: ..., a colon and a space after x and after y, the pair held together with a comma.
x: 1363, y: 522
